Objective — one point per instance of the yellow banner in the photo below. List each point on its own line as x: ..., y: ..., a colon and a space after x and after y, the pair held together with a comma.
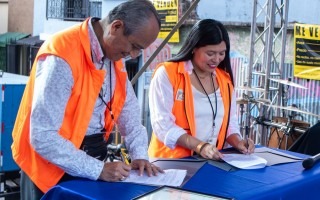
x: 307, y: 51
x: 168, y: 12
x: 165, y: 4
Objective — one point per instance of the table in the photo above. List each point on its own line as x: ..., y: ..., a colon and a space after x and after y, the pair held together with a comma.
x: 284, y: 181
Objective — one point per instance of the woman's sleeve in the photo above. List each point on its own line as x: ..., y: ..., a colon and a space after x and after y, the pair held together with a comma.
x: 161, y: 100
x: 233, y: 124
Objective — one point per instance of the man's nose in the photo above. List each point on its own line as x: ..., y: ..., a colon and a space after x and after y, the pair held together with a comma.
x: 135, y: 53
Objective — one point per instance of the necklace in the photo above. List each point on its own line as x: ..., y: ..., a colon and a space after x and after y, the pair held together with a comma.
x: 101, y: 92
x: 203, y: 77
x: 215, y: 96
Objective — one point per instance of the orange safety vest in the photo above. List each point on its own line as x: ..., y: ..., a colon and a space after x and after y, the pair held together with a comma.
x: 183, y: 109
x: 73, y: 46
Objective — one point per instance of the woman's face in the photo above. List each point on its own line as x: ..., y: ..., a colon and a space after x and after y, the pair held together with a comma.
x: 207, y: 58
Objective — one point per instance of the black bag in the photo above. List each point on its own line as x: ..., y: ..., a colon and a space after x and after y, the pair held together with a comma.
x: 96, y: 146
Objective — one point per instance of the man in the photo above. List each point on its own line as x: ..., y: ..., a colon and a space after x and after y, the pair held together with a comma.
x: 77, y: 91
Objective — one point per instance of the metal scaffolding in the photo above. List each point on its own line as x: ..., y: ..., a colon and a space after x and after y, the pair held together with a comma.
x: 267, y: 53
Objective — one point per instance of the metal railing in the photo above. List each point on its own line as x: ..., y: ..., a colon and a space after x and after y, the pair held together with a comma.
x: 73, y: 10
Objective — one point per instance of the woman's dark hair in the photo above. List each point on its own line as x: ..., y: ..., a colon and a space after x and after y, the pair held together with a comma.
x: 206, y: 32
x: 134, y: 14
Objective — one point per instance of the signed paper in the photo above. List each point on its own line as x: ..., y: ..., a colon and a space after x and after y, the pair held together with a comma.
x: 243, y: 161
x: 171, y: 177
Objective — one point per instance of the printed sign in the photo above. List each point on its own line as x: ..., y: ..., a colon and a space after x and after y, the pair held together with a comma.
x: 168, y: 12
x: 307, y: 51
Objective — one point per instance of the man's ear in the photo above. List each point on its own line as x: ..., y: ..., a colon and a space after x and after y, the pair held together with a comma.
x: 116, y: 26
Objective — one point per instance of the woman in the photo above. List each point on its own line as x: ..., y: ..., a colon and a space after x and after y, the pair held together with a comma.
x: 192, y: 101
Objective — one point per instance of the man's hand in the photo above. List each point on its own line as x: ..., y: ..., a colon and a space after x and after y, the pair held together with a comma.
x: 142, y: 165
x: 114, y: 171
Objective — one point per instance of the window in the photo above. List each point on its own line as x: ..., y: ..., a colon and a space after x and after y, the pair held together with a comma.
x: 73, y: 10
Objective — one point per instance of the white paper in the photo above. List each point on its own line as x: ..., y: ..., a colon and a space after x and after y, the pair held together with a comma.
x: 244, y: 161
x: 171, y: 177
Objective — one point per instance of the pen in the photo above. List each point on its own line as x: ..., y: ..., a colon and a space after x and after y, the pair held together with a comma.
x: 247, y: 136
x: 124, y: 156
x: 247, y: 142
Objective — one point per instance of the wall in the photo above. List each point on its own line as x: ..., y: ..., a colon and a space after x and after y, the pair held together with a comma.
x: 21, y: 16
x: 39, y: 19
x: 56, y: 25
x: 240, y: 42
x: 3, y: 16
x: 241, y: 11
x: 108, y: 5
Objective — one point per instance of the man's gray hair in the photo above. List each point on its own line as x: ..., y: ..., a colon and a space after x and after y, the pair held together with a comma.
x: 134, y: 14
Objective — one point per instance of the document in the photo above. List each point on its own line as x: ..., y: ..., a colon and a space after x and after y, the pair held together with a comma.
x: 190, y: 165
x: 244, y: 161
x: 171, y: 177
x: 272, y: 156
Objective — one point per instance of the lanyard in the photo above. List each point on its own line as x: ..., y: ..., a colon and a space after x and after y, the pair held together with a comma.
x: 215, y: 96
x: 101, y: 91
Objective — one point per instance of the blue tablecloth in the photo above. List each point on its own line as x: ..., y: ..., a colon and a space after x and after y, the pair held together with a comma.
x: 283, y: 181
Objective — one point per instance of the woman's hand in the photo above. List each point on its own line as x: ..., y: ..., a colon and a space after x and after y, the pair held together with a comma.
x: 246, y: 146
x: 210, y: 152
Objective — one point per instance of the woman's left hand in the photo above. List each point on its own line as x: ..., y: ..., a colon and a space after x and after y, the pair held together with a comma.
x: 246, y: 146
x: 141, y: 165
